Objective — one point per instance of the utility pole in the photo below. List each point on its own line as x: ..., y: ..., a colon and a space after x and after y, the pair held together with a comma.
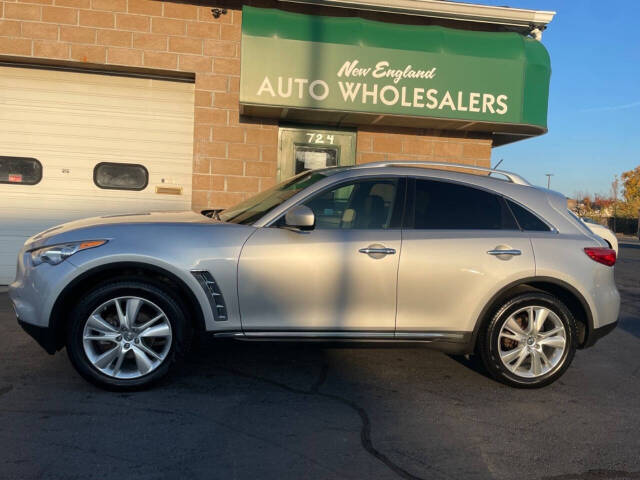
x: 549, y: 175
x: 615, y: 186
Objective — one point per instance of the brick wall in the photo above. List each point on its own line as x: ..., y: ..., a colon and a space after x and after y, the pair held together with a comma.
x: 380, y: 144
x: 234, y: 156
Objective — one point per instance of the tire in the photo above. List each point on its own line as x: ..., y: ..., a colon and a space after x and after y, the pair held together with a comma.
x: 170, y: 339
x: 501, y: 346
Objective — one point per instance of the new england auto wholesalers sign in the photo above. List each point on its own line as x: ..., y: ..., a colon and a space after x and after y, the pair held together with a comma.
x: 330, y: 75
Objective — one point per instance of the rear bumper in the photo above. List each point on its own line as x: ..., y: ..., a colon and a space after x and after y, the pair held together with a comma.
x: 597, y: 333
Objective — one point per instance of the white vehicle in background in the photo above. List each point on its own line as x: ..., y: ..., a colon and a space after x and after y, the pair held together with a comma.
x: 603, y: 232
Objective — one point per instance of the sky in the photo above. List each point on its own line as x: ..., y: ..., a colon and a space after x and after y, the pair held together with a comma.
x: 594, y: 97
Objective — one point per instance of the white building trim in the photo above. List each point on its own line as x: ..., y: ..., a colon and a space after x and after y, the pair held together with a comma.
x: 468, y: 12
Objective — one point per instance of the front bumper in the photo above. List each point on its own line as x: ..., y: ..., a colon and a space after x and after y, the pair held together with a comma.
x: 35, y: 289
x: 33, y: 294
x: 43, y: 335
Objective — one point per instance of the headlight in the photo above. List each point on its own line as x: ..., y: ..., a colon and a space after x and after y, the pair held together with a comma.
x: 56, y: 254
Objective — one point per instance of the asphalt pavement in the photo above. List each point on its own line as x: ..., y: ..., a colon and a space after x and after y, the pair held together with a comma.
x: 313, y: 411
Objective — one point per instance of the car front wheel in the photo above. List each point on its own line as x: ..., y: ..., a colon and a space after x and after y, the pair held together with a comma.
x: 530, y: 341
x: 125, y: 334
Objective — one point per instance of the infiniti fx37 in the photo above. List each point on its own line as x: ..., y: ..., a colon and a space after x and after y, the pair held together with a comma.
x: 465, y: 263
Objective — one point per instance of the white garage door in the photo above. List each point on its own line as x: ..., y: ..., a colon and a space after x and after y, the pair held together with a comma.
x: 65, y: 124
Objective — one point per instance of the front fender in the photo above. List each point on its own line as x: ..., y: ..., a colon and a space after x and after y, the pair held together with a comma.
x: 94, y: 266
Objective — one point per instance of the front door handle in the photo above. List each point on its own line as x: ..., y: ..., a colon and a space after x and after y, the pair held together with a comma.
x: 374, y: 250
x: 511, y: 252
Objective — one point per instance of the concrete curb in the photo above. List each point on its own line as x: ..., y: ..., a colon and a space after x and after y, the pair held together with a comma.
x: 622, y: 241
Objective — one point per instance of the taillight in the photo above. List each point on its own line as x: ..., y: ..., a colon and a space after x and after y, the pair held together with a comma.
x: 602, y: 255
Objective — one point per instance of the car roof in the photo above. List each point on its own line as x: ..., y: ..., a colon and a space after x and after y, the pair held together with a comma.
x: 479, y: 177
x: 510, y: 176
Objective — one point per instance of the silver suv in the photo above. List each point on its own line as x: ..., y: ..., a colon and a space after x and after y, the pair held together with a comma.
x: 469, y: 264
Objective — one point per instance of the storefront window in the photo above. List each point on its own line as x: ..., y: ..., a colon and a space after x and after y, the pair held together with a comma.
x: 313, y: 158
x: 20, y: 170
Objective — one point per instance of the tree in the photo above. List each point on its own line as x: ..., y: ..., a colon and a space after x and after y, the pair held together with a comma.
x: 631, y: 185
x: 631, y: 192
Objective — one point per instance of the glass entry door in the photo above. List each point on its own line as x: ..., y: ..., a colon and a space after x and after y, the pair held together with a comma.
x: 302, y: 149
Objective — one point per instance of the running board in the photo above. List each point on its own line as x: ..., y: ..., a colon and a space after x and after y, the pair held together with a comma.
x: 453, y: 337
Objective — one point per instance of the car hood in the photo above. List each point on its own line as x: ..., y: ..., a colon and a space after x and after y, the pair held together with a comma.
x: 101, y: 225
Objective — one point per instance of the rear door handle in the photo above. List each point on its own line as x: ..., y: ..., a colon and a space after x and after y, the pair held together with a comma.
x: 379, y: 251
x: 512, y: 252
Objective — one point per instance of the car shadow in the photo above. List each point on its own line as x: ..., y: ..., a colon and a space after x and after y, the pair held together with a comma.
x: 471, y: 362
x: 368, y: 382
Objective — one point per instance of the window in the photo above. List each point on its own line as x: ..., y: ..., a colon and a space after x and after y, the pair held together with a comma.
x: 579, y: 222
x: 449, y: 206
x: 365, y: 204
x: 526, y: 219
x: 20, y: 170
x: 120, y: 176
x: 254, y: 208
x: 313, y: 158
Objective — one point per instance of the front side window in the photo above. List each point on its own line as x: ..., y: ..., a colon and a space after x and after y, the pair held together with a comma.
x: 449, y: 206
x: 120, y: 176
x: 362, y: 205
x: 20, y: 170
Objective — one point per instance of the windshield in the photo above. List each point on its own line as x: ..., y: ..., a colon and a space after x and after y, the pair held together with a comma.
x: 256, y: 207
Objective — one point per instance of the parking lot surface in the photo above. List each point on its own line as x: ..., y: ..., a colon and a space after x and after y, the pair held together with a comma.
x: 315, y: 411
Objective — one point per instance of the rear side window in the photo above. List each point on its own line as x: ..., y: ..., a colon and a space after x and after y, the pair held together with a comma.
x: 20, y: 170
x: 120, y: 176
x: 449, y: 206
x: 527, y: 220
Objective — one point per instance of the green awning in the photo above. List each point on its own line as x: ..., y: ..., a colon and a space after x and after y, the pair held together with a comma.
x: 351, y: 71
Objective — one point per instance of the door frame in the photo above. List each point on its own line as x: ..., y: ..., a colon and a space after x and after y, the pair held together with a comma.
x: 290, y: 136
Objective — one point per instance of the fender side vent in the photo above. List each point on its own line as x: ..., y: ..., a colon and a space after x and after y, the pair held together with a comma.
x: 214, y: 294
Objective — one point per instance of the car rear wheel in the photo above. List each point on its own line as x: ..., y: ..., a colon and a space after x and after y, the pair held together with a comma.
x: 530, y: 341
x: 126, y: 334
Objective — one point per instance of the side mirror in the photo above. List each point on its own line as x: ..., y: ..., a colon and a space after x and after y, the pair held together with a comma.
x: 300, y: 217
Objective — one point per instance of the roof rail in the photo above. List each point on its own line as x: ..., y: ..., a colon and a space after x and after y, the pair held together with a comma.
x: 511, y: 177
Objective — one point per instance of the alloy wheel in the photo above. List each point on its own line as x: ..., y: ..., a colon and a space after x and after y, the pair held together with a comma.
x: 127, y: 337
x: 532, y: 342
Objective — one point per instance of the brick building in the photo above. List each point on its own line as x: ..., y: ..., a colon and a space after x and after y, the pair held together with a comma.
x: 256, y: 91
